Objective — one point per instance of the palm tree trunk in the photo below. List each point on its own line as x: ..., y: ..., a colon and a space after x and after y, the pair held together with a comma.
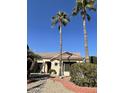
x: 85, y: 40
x: 60, y: 30
x: 33, y: 66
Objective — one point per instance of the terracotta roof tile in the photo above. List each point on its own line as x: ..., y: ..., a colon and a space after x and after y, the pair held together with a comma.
x: 65, y: 55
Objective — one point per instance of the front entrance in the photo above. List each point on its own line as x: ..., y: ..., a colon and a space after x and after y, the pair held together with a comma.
x: 48, y: 66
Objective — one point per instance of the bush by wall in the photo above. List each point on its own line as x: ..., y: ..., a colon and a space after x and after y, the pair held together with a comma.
x: 84, y: 74
x: 52, y: 71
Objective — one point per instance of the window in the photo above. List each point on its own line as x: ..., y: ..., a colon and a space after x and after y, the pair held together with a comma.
x: 67, y: 66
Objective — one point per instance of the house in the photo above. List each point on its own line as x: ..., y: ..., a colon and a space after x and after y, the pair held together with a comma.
x: 51, y: 61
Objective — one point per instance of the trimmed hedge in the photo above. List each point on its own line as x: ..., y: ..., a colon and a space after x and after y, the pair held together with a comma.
x: 84, y: 74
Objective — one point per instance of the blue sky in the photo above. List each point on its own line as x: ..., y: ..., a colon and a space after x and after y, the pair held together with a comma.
x: 41, y: 37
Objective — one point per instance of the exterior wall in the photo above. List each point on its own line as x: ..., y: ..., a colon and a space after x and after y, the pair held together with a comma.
x: 66, y: 73
x: 53, y: 66
x: 56, y: 67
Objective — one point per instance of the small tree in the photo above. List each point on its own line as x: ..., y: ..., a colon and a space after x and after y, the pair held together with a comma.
x: 31, y: 61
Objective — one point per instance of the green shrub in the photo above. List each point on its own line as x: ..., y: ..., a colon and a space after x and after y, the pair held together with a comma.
x: 93, y: 59
x: 52, y: 71
x: 84, y: 74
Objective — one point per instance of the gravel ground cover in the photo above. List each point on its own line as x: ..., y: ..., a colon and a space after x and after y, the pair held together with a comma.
x: 55, y: 87
x: 47, y: 86
x: 36, y: 87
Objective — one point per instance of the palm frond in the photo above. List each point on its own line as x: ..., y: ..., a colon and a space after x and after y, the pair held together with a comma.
x: 78, y: 0
x: 90, y: 4
x: 75, y: 11
x: 93, y: 9
x: 65, y: 16
x: 88, y: 17
x: 59, y: 13
x: 61, y: 17
x: 79, y: 5
x: 54, y: 20
x: 65, y: 21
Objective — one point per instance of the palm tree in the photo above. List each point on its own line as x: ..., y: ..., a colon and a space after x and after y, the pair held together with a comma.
x: 61, y: 18
x: 82, y: 6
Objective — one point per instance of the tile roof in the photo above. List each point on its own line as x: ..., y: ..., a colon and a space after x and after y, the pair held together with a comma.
x: 65, y: 55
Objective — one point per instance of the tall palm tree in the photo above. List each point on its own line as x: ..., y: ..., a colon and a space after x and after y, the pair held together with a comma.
x: 82, y: 6
x: 61, y: 18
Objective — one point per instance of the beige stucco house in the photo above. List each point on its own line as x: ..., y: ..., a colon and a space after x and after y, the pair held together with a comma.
x: 51, y: 61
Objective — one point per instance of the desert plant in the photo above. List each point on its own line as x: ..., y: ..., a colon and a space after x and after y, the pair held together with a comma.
x: 84, y: 74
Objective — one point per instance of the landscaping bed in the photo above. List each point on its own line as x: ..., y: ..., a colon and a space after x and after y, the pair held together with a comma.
x: 75, y: 88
